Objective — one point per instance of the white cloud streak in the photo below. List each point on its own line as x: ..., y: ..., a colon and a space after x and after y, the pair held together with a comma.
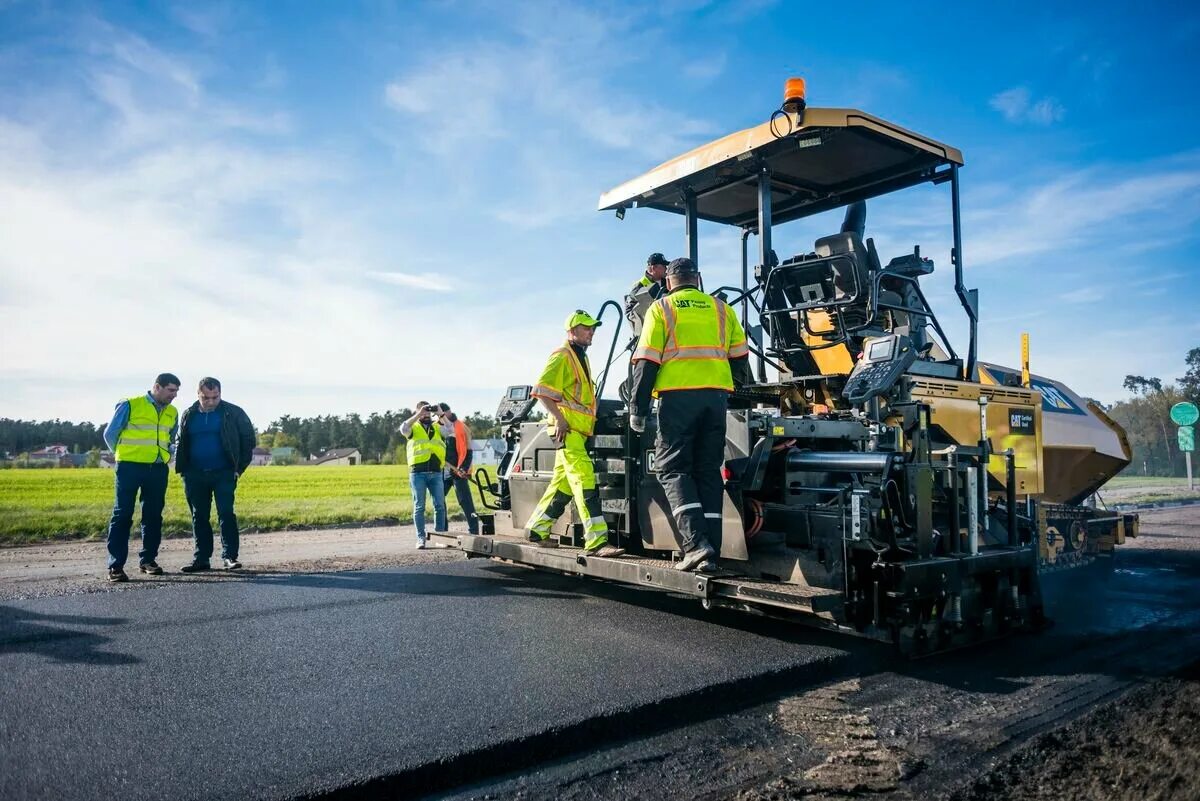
x: 1018, y: 105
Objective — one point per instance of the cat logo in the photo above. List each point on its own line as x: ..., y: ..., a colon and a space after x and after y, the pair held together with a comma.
x: 1054, y: 399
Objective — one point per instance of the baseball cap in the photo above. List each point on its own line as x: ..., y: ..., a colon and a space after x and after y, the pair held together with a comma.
x: 656, y: 258
x: 580, y: 317
x: 684, y: 266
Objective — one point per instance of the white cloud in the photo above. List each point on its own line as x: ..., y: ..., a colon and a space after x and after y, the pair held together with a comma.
x: 1017, y: 105
x: 134, y: 243
x: 430, y: 282
x: 1136, y: 207
x: 532, y: 129
x: 1087, y: 294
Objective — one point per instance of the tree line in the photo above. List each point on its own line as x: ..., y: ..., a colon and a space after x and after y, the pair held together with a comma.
x: 1146, y: 418
x: 22, y: 436
x: 377, y: 436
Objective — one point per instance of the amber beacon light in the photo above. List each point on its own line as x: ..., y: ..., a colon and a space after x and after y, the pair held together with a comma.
x: 793, y: 95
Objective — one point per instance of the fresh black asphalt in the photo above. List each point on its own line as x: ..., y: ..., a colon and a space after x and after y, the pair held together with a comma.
x: 356, y: 684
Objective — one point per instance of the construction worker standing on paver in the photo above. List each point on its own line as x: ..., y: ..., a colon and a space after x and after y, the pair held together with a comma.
x: 566, y: 389
x: 649, y: 288
x: 691, y: 355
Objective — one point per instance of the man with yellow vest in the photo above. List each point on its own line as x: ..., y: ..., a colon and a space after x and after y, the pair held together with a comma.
x: 565, y: 388
x: 426, y: 452
x: 649, y: 288
x: 141, y: 435
x: 691, y: 354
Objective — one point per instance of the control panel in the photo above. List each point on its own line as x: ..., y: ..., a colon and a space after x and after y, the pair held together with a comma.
x: 515, y: 404
x: 884, y: 360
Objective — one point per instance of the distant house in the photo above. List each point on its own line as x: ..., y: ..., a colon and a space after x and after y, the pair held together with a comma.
x: 108, y: 460
x: 487, y: 451
x: 283, y: 454
x: 335, y: 456
x: 51, y: 454
x: 260, y: 457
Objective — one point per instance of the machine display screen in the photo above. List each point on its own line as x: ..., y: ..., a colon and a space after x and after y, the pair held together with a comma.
x: 880, y: 350
x: 518, y: 393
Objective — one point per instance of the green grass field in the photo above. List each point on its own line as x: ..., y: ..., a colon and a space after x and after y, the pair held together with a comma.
x: 39, y: 505
x: 1147, y: 489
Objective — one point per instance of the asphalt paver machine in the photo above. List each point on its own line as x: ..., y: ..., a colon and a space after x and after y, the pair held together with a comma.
x: 877, y: 480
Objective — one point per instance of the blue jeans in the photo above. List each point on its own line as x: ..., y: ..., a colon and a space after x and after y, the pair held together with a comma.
x: 151, y: 481
x: 462, y: 490
x: 431, y: 481
x: 201, y: 487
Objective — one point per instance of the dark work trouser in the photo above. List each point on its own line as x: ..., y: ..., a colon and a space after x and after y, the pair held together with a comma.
x: 151, y: 480
x: 689, y: 454
x: 202, y: 487
x: 462, y: 491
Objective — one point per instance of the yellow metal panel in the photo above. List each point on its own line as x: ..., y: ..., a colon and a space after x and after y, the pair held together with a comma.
x: 955, y: 407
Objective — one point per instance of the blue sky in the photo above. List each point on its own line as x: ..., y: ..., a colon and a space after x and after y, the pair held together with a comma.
x: 349, y: 207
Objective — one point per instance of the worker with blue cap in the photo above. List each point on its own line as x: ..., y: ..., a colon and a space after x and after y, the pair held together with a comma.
x: 566, y: 389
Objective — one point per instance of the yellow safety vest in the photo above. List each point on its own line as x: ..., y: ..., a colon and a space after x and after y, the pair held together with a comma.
x: 566, y: 381
x: 692, y: 335
x: 421, y: 446
x: 146, y: 438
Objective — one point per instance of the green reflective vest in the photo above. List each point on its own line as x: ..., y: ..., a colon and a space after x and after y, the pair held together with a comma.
x: 566, y: 381
x: 146, y: 438
x: 421, y: 446
x: 692, y: 335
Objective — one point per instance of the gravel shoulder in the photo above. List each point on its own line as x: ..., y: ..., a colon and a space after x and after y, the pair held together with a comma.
x: 63, y: 568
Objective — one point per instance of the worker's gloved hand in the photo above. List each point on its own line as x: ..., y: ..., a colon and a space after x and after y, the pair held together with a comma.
x: 638, y: 424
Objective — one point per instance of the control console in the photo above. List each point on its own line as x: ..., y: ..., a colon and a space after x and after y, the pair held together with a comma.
x: 515, y: 404
x: 883, y: 361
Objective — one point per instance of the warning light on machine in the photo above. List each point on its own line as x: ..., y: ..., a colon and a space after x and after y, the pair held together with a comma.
x: 793, y: 95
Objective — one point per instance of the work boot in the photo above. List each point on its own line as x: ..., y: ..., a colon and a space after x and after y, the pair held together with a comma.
x: 116, y: 574
x: 693, y: 559
x: 604, y: 550
x: 542, y: 542
x: 151, y: 568
x: 195, y: 567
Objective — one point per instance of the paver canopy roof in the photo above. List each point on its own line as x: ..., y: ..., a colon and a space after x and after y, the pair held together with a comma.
x: 829, y: 158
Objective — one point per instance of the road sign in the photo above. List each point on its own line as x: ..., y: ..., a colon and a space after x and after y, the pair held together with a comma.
x: 1184, y: 413
x: 1187, y: 439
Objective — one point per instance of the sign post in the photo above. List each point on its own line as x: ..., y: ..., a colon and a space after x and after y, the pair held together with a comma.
x: 1185, y: 415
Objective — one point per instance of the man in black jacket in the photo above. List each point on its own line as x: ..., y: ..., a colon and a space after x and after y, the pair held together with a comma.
x: 216, y: 442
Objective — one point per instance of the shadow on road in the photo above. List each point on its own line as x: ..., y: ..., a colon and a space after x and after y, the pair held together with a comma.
x: 22, y: 631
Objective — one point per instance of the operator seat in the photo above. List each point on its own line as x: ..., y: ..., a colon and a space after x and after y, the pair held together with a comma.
x: 850, y: 274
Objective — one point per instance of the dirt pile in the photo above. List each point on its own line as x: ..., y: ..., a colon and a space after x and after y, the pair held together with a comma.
x: 1145, y: 747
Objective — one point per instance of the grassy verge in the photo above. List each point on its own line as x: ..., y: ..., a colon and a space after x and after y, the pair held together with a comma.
x: 1147, y: 489
x: 39, y: 505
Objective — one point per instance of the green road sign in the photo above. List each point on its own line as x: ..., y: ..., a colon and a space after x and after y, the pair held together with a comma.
x: 1187, y: 439
x: 1184, y: 413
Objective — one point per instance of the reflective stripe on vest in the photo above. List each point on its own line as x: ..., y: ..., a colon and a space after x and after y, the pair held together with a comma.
x: 146, y: 438
x: 421, y: 446
x: 577, y: 400
x: 701, y: 359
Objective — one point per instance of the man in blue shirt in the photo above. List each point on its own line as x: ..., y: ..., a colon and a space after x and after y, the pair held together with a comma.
x: 216, y: 443
x: 141, y: 434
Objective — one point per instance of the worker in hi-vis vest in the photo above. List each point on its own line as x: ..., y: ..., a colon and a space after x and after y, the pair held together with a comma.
x: 426, y: 454
x: 565, y: 388
x: 649, y: 288
x: 141, y: 436
x: 691, y: 354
